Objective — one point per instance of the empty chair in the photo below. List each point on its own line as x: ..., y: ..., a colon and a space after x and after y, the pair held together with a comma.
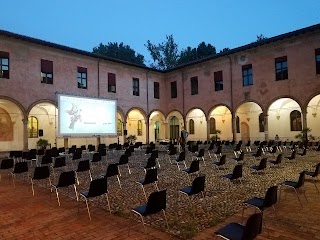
x: 278, y: 161
x: 197, y: 187
x: 19, y: 168
x: 236, y: 174
x: 295, y: 185
x: 91, y: 148
x: 221, y: 162
x: 66, y: 179
x: 83, y: 147
x: 124, y: 160
x: 83, y: 166
x: 40, y: 173
x: 200, y: 155
x: 314, y: 175
x: 194, y: 168
x: 45, y: 160
x: 218, y: 152
x: 172, y: 152
x: 292, y: 157
x: 235, y: 231
x: 155, y: 154
x: 261, y: 167
x: 303, y: 153
x: 181, y: 158
x: 98, y: 187
x: 262, y: 204
x: 157, y: 202
x: 6, y: 164
x: 150, y: 177
x: 237, y: 150
x: 151, y: 163
x: 112, y: 170
x: 210, y: 149
x: 96, y: 158
x: 59, y: 162
x: 240, y: 158
x: 258, y: 154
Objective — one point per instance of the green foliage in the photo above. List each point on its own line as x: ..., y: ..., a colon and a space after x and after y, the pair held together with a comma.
x: 165, y: 54
x: 42, y: 143
x: 224, y: 50
x: 215, y: 136
x: 119, y: 51
x: 260, y: 38
x: 191, y: 54
x: 305, y: 134
x: 131, y: 138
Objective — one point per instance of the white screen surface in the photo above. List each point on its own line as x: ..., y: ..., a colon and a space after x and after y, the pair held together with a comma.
x: 81, y: 116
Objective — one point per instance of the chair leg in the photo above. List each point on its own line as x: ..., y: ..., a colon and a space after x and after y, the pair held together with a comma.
x: 165, y: 218
x: 158, y: 163
x: 89, y: 175
x: 144, y: 192
x: 88, y: 208
x: 108, y: 202
x: 298, y: 197
x: 314, y: 181
x: 155, y: 183
x: 77, y: 179
x: 75, y: 191
x: 32, y: 187
x: 57, y: 196
x: 128, y: 168
x: 119, y: 181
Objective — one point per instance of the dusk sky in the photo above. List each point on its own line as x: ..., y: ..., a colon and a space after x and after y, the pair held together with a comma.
x: 224, y: 23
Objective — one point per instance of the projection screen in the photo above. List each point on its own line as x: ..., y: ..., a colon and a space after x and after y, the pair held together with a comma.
x: 83, y: 116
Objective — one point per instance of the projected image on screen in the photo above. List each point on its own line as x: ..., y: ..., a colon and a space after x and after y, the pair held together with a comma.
x: 79, y: 116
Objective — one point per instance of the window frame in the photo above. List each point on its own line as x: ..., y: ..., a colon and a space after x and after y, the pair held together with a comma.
x: 191, y: 126
x: 174, y: 93
x: 317, y: 60
x: 213, y: 126
x: 281, y: 68
x: 135, y: 87
x: 156, y: 90
x: 237, y: 124
x: 247, y: 74
x: 261, y: 122
x: 31, y: 121
x: 4, y: 73
x: 194, y: 84
x: 112, y: 82
x: 218, y: 81
x: 295, y: 115
x: 139, y: 128
x: 46, y: 71
x: 82, y: 75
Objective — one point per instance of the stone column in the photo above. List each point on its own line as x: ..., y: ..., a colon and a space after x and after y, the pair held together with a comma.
x: 25, y: 134
x: 208, y: 130
x: 166, y: 130
x: 66, y: 143
x: 304, y: 125
x: 124, y: 128
x: 266, y: 124
x: 234, y: 126
x: 147, y: 132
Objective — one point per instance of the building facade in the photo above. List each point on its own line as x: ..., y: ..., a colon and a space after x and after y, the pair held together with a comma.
x: 254, y: 92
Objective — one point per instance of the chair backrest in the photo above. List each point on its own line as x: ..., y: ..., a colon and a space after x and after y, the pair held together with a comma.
x: 96, y: 157
x: 98, y: 187
x: 155, y: 153
x: 173, y: 151
x: 271, y: 197
x: 66, y: 179
x: 317, y: 171
x: 198, y: 184
x: 241, y: 156
x: 157, y: 201
x: 59, y: 162
x: 223, y: 159
x: 83, y: 147
x: 77, y: 155
x: 123, y: 159
x: 219, y: 150
x: 46, y: 159
x: 304, y: 152
x: 112, y: 170
x: 83, y: 165
x: 201, y: 152
x: 253, y: 227
x: 263, y: 164
x: 151, y: 176
x: 237, y: 171
x: 293, y: 155
x: 128, y: 152
x: 42, y: 172
x: 259, y: 152
x: 20, y: 167
x: 301, y: 179
x: 194, y: 166
x: 148, y: 150
x: 7, y: 163
x: 279, y: 158
x: 151, y: 163
x: 91, y: 148
x: 182, y: 157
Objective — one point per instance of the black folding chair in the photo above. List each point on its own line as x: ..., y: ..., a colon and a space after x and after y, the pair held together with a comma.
x: 200, y: 155
x: 278, y: 161
x: 194, y: 168
x: 236, y: 231
x: 151, y: 163
x: 314, y: 175
x: 66, y: 179
x: 197, y: 187
x: 221, y: 162
x: 19, y: 168
x: 261, y: 167
x: 83, y: 166
x: 6, y: 165
x: 112, y: 170
x: 40, y: 173
x: 150, y: 177
x: 157, y: 202
x: 236, y: 174
x: 240, y: 158
x: 98, y: 187
x: 181, y: 158
x: 124, y: 160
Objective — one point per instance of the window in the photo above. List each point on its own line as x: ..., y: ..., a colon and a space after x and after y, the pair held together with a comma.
x: 174, y: 128
x: 174, y: 89
x: 32, y: 127
x: 281, y: 68
x: 212, y: 125
x: 156, y: 130
x: 111, y: 82
x: 295, y: 121
x: 139, y: 129
x: 46, y: 71
x: 194, y: 85
x: 261, y: 122
x: 135, y: 84
x: 156, y: 90
x: 82, y: 77
x: 4, y: 65
x: 317, y: 61
x: 238, y: 124
x: 218, y: 81
x: 247, y: 78
x: 119, y: 127
x: 191, y: 126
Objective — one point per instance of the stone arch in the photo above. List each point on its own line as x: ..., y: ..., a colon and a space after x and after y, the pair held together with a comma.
x: 215, y: 106
x: 144, y: 114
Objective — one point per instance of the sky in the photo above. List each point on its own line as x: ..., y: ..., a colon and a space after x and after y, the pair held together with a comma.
x: 223, y: 23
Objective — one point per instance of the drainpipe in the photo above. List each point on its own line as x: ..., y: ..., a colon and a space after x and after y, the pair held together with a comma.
x: 233, y: 114
x: 147, y: 122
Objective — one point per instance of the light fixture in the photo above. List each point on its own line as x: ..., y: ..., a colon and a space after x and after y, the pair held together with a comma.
x: 248, y: 119
x: 314, y: 114
x: 223, y: 120
x: 278, y: 117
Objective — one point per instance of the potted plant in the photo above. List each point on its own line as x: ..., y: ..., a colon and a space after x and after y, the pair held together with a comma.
x: 42, y: 143
x: 131, y: 138
x: 215, y: 136
x: 305, y: 135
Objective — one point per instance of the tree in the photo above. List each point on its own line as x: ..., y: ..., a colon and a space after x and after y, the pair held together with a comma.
x: 119, y: 51
x: 224, y: 50
x: 260, y: 38
x: 164, y: 54
x: 189, y: 54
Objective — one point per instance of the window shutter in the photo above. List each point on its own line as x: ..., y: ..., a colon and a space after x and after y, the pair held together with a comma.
x: 46, y: 66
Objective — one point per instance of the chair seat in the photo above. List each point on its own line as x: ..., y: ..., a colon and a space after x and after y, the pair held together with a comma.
x: 232, y: 231
x: 141, y: 209
x: 85, y: 194
x: 310, y: 174
x: 217, y: 163
x: 229, y: 176
x: 187, y: 190
x: 273, y: 162
x: 290, y: 183
x: 258, y: 202
x: 141, y: 181
x: 257, y: 168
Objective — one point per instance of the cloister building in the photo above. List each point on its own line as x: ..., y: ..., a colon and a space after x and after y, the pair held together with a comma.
x: 253, y: 92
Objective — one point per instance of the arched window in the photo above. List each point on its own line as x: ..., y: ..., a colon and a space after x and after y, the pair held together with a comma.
x: 261, y: 122
x: 212, y: 125
x: 238, y: 124
x: 32, y: 127
x: 295, y: 121
x: 119, y: 127
x: 156, y: 130
x: 174, y: 127
x: 191, y: 126
x: 139, y: 129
